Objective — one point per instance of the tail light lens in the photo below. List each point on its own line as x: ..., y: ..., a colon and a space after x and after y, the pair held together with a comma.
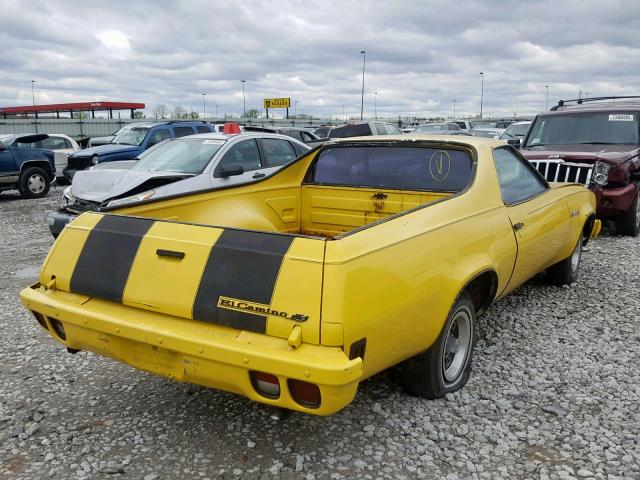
x: 305, y: 393
x: 41, y: 320
x: 58, y: 328
x: 266, y: 384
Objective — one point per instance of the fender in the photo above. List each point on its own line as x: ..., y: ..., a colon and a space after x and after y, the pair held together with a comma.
x: 42, y: 163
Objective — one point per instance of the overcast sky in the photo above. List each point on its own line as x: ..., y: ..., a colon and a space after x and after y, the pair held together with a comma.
x: 420, y: 55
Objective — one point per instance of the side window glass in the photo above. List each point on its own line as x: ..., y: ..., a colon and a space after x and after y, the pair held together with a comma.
x: 277, y: 152
x: 243, y: 154
x: 182, y: 131
x: 203, y: 129
x: 299, y: 149
x: 380, y: 128
x: 54, y: 143
x: 158, y: 136
x: 518, y: 181
x: 393, y: 130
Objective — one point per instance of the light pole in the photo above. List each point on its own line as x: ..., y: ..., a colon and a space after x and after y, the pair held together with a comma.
x: 295, y: 109
x: 454, y: 108
x: 216, y: 111
x: 33, y: 93
x: 481, y: 91
x: 244, y: 103
x: 343, y: 115
x: 364, y: 61
x: 204, y: 107
x: 375, y: 104
x: 546, y: 103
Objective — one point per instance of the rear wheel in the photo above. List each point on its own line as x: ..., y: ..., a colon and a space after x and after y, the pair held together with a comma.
x: 629, y: 222
x: 34, y: 183
x: 444, y: 367
x: 566, y: 271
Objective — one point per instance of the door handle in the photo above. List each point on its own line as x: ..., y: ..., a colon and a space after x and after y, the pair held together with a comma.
x: 518, y: 226
x: 258, y: 175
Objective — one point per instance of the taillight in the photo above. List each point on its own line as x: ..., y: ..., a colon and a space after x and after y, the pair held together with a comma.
x: 58, y: 328
x: 266, y: 384
x: 40, y: 319
x: 305, y: 393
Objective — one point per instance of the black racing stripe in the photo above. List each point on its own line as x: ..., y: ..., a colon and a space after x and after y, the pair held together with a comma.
x: 107, y: 256
x: 245, y: 266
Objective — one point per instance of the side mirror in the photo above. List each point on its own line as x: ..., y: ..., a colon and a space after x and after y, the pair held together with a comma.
x: 514, y: 142
x: 228, y: 171
x: 2, y: 146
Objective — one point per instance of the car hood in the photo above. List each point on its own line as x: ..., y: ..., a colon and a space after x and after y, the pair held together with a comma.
x: 587, y: 153
x: 101, y: 185
x: 107, y: 149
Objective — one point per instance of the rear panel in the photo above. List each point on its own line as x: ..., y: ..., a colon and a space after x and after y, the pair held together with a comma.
x: 256, y: 281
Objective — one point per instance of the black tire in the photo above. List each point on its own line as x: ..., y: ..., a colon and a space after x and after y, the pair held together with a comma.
x: 425, y: 375
x: 629, y: 222
x: 34, y: 183
x: 566, y: 271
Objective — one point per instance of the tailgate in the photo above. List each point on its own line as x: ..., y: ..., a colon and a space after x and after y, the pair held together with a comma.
x: 256, y: 281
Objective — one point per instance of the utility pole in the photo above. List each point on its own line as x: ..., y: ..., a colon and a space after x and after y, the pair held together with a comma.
x: 454, y: 108
x: 546, y: 103
x: 343, y: 115
x: 244, y: 103
x: 295, y: 109
x: 216, y: 111
x: 364, y: 61
x: 481, y: 91
x: 204, y: 107
x: 375, y: 104
x: 33, y: 92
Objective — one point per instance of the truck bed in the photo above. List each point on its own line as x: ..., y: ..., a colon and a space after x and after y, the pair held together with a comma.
x: 310, y: 210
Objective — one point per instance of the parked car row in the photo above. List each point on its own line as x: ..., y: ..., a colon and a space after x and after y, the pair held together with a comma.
x: 177, y: 166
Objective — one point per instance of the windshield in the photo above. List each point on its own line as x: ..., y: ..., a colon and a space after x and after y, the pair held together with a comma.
x: 613, y: 128
x: 186, y: 155
x: 131, y: 136
x: 516, y: 130
x: 322, y: 132
x: 482, y: 124
x: 428, y: 128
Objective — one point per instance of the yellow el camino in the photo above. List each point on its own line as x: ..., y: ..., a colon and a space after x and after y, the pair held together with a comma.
x: 292, y: 289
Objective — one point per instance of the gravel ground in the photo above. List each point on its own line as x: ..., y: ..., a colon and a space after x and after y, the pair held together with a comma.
x: 554, y: 394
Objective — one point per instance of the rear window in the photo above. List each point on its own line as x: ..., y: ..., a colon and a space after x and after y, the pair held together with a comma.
x: 182, y: 131
x: 360, y: 130
x: 394, y: 168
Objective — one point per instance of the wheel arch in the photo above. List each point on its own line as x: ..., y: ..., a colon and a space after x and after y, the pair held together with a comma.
x: 482, y: 289
x: 44, y: 164
x: 587, y: 228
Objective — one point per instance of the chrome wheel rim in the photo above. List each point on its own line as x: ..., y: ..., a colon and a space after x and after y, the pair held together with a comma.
x: 36, y: 183
x: 457, y: 346
x: 575, y: 256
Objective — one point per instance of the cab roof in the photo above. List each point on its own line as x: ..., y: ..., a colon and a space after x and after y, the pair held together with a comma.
x: 475, y: 142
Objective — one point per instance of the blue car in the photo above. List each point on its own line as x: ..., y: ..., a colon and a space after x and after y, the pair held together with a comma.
x: 131, y: 141
x: 29, y: 170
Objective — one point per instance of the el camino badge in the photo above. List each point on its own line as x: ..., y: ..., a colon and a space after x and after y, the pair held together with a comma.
x: 257, y: 309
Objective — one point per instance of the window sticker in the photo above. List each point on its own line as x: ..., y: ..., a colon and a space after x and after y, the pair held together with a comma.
x: 440, y: 165
x: 620, y: 117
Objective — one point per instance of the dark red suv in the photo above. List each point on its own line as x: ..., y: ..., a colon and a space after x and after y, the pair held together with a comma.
x: 595, y: 142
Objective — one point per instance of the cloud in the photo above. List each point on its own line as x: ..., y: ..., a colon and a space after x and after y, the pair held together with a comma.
x: 420, y: 55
